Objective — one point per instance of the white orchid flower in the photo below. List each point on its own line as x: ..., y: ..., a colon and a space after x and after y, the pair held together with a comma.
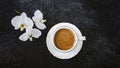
x: 29, y: 34
x: 22, y: 22
x: 38, y: 19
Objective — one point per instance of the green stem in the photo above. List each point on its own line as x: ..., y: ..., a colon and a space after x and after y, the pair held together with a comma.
x: 17, y: 11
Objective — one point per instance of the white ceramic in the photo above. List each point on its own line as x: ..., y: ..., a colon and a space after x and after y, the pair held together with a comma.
x: 76, y: 39
x: 64, y: 54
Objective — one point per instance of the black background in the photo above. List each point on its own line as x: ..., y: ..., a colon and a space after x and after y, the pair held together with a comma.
x: 98, y: 20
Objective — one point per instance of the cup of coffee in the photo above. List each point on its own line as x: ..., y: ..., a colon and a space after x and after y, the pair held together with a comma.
x: 64, y: 39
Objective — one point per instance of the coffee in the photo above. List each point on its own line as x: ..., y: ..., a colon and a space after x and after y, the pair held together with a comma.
x: 64, y: 39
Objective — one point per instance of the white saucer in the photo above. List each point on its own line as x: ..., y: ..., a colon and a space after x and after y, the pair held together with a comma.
x: 64, y: 55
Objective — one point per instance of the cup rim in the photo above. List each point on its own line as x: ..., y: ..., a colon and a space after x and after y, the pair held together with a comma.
x: 75, y: 35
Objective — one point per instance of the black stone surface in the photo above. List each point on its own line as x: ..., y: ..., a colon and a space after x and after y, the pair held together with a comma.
x: 98, y: 20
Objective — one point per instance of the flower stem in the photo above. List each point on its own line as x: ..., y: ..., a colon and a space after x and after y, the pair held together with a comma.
x: 17, y: 11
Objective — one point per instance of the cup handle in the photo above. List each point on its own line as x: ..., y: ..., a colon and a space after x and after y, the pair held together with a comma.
x: 82, y: 38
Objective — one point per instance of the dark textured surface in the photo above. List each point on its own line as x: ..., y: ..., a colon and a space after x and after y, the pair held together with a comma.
x: 99, y: 21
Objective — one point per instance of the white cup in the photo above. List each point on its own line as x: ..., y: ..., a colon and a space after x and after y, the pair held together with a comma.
x: 75, y: 36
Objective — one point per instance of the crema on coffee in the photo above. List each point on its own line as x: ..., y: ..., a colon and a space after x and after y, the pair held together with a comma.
x: 64, y: 39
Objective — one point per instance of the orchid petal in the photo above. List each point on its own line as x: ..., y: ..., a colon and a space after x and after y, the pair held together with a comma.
x: 35, y: 19
x: 16, y: 21
x: 40, y: 25
x: 23, y: 37
x: 36, y: 33
x: 24, y: 17
x: 29, y: 23
x: 29, y: 30
x: 38, y: 14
